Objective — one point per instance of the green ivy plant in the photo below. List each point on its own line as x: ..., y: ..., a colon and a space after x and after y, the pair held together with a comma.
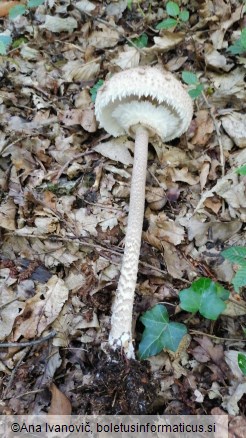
x: 241, y: 359
x: 241, y: 170
x: 191, y: 79
x: 95, y: 88
x: 239, y: 47
x: 175, y: 16
x: 5, y: 43
x: 237, y: 255
x: 18, y: 10
x: 159, y: 332
x: 140, y: 41
x: 204, y: 296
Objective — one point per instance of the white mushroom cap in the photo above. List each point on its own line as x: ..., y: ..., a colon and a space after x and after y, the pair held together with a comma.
x: 149, y: 96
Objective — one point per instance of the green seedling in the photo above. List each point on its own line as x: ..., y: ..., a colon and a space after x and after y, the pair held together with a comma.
x: 141, y: 41
x: 241, y: 359
x: 95, y: 88
x: 241, y: 170
x: 239, y: 47
x: 237, y: 256
x: 175, y: 16
x: 191, y: 79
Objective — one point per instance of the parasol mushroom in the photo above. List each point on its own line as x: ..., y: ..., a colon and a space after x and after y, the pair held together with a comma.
x: 143, y: 102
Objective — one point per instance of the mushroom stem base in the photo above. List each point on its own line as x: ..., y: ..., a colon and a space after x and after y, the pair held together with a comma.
x: 121, y: 322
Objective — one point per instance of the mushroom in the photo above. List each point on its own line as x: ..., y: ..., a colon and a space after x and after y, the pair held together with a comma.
x: 142, y: 102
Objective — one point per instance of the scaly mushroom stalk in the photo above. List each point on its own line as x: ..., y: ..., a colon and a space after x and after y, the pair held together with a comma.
x: 143, y: 102
x: 121, y: 322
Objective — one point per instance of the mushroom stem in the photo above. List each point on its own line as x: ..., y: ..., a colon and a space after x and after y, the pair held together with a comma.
x: 121, y: 322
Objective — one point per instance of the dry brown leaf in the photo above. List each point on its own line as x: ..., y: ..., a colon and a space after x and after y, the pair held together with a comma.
x: 176, y: 264
x: 104, y: 38
x: 205, y: 128
x: 165, y: 230
x: 207, y: 351
x: 116, y: 149
x: 57, y: 24
x: 129, y: 58
x: 235, y: 126
x: 7, y: 214
x: 60, y: 404
x: 42, y: 309
x: 79, y: 71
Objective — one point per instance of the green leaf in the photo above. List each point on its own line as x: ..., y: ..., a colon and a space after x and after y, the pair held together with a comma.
x: 236, y: 48
x: 16, y: 11
x: 95, y: 88
x: 34, y: 3
x: 243, y: 38
x: 184, y: 15
x: 141, y: 41
x: 196, y: 92
x: 159, y: 333
x: 230, y: 253
x: 5, y: 41
x: 129, y: 4
x: 18, y: 42
x: 2, y: 48
x: 204, y: 296
x: 189, y: 77
x: 241, y: 359
x: 241, y: 170
x: 166, y: 24
x: 239, y: 280
x: 172, y: 9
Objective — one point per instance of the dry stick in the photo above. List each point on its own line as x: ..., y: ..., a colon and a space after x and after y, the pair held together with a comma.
x: 13, y: 374
x: 28, y: 343
x: 196, y: 332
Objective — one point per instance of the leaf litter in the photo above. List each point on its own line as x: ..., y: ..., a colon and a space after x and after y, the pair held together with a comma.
x: 64, y: 203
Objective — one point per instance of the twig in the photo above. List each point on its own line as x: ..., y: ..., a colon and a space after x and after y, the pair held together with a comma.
x: 222, y: 158
x: 28, y: 343
x: 196, y: 332
x: 9, y: 384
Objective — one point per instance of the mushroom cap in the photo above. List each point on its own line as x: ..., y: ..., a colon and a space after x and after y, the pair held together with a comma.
x: 149, y: 96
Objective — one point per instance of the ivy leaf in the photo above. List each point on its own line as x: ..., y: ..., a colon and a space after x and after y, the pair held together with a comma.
x: 166, y: 24
x: 239, y: 280
x: 189, y: 77
x: 241, y: 359
x: 184, y: 16
x: 159, y: 333
x: 234, y: 251
x: 141, y: 41
x: 243, y: 38
x: 5, y: 41
x: 204, y: 296
x: 34, y: 3
x: 172, y: 9
x: 95, y: 88
x: 236, y: 48
x: 16, y: 11
x: 241, y: 170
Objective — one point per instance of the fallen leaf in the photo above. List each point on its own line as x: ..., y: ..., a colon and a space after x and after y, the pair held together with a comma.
x: 57, y: 24
x: 60, y: 404
x: 42, y: 309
